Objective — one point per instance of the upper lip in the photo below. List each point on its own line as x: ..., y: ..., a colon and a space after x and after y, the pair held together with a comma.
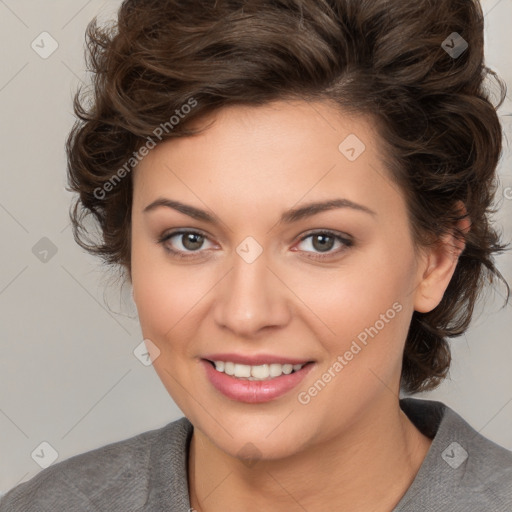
x: 255, y: 360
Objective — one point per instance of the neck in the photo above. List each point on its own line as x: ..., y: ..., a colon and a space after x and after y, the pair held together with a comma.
x: 369, y: 467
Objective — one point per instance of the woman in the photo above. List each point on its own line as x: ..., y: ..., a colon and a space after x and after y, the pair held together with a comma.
x: 298, y: 192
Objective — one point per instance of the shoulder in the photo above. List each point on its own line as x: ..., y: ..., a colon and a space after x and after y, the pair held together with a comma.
x: 463, y: 469
x: 113, y: 477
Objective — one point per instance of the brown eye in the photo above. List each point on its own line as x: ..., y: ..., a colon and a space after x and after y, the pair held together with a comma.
x: 322, y: 242
x: 183, y: 244
x: 192, y: 241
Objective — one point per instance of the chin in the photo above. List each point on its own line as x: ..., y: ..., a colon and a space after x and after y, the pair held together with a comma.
x: 248, y: 442
x: 251, y: 450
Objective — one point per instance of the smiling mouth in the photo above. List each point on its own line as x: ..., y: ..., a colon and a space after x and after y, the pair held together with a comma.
x: 256, y: 372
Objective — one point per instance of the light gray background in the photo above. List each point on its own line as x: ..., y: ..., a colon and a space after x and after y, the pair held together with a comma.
x: 68, y: 375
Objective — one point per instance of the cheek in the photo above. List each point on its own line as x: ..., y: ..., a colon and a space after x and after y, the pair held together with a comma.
x: 365, y: 309
x: 168, y: 301
x: 165, y: 293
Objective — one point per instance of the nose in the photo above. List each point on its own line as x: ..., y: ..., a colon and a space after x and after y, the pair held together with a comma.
x: 251, y: 299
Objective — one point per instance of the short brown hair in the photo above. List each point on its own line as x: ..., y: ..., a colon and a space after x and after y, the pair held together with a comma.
x: 387, y: 59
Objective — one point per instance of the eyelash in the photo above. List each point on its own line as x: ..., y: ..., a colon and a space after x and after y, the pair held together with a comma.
x: 347, y: 243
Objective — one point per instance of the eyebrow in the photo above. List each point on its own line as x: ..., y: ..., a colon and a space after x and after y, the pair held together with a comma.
x: 288, y: 217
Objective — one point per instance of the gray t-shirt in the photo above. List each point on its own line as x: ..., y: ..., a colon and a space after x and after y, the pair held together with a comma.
x: 463, y: 471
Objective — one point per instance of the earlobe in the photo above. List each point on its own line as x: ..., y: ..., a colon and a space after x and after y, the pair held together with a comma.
x: 439, y: 266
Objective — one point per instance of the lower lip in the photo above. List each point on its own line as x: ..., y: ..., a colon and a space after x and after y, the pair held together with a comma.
x: 254, y: 391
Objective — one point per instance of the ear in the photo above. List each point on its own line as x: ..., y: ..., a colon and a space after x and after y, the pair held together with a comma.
x: 438, y: 265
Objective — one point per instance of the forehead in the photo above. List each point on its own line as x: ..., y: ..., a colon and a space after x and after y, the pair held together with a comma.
x: 279, y: 126
x: 257, y: 156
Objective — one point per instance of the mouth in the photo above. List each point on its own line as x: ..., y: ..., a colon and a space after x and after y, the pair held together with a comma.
x: 258, y: 383
x: 260, y: 372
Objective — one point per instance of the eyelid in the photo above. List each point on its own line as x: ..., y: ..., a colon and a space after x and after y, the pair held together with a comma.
x: 181, y: 231
x: 329, y: 232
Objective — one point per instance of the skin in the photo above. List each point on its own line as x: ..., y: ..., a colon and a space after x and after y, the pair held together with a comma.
x: 351, y: 443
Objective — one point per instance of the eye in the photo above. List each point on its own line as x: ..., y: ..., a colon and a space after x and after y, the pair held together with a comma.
x: 186, y: 242
x: 189, y: 243
x: 324, y: 241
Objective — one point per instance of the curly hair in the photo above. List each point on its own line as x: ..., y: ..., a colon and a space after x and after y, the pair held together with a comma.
x: 387, y: 59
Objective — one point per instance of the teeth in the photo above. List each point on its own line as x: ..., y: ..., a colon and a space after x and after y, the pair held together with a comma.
x: 229, y: 368
x: 260, y: 372
x: 287, y: 369
x: 276, y: 370
x: 242, y: 370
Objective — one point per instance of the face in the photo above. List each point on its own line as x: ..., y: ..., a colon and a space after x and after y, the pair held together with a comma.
x: 248, y: 281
